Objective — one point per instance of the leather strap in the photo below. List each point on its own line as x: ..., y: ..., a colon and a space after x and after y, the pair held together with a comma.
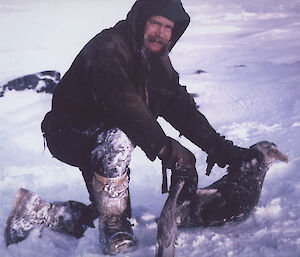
x: 117, y: 181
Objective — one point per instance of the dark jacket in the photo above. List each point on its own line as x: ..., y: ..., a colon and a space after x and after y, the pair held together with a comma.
x: 110, y: 83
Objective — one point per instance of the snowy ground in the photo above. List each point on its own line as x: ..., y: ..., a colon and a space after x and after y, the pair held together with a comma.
x: 250, y: 92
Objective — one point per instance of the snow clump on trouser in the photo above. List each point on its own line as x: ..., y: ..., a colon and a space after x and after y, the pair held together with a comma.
x: 112, y: 153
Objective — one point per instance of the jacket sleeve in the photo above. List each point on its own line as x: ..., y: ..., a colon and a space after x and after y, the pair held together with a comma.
x: 181, y: 112
x: 115, y: 94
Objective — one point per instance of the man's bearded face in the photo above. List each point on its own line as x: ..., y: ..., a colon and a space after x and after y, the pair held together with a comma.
x: 158, y: 32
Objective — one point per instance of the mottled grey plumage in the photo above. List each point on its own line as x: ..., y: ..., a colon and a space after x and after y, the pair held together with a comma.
x: 236, y: 194
x: 167, y: 225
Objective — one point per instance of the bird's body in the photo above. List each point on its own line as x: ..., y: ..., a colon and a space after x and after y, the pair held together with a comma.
x: 236, y: 194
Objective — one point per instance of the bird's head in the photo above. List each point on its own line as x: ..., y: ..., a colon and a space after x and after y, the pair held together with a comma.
x: 270, y: 152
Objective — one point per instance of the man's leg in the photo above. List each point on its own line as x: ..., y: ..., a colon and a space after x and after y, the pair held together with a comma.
x: 110, y: 159
x: 72, y: 146
x: 103, y: 156
x: 30, y: 211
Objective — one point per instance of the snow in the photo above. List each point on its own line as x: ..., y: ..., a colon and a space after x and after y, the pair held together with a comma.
x: 250, y: 92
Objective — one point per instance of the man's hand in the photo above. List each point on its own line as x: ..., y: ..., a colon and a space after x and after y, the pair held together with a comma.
x: 226, y: 153
x: 182, y: 163
x: 174, y: 156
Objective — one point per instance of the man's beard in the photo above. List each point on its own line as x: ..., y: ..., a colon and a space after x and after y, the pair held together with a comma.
x: 152, y: 38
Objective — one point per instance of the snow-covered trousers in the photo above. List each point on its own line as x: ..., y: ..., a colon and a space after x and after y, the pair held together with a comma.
x: 93, y: 148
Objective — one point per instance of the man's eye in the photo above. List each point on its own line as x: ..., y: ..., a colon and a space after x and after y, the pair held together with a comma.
x: 154, y: 22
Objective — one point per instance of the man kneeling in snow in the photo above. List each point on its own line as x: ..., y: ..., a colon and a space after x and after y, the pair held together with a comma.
x: 108, y: 102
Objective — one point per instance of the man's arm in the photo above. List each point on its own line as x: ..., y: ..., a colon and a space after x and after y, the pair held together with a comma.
x: 182, y: 113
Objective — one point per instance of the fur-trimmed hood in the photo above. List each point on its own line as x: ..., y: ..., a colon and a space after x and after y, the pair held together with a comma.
x: 142, y: 10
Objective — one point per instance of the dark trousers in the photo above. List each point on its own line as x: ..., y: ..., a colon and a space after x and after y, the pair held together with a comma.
x: 93, y: 149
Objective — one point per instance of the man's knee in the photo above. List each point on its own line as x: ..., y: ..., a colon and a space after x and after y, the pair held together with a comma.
x: 68, y: 146
x: 112, y: 153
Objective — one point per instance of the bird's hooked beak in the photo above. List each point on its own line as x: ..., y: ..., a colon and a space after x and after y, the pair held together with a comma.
x: 280, y: 156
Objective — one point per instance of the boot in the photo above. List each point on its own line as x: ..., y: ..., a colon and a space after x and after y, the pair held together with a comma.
x: 112, y: 202
x: 30, y: 211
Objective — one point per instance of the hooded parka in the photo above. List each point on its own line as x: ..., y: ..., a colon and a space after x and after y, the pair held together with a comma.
x: 109, y: 83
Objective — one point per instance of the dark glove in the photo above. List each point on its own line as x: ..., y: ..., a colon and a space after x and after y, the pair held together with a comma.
x: 223, y: 152
x: 182, y: 163
x: 174, y: 156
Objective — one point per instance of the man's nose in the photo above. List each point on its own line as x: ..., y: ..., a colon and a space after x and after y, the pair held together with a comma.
x: 159, y: 30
